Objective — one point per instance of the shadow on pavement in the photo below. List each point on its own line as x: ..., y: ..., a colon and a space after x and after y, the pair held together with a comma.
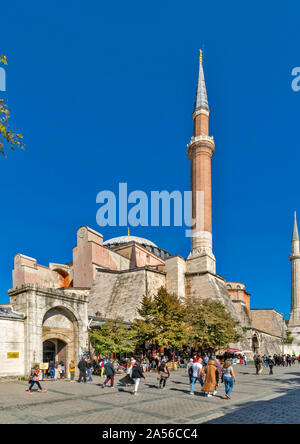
x: 284, y: 409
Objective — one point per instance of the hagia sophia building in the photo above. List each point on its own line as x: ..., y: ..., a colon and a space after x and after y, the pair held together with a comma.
x: 51, y: 308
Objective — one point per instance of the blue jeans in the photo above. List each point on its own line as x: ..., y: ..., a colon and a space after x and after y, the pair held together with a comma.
x: 89, y: 374
x: 32, y: 384
x: 228, y: 381
x: 194, y: 380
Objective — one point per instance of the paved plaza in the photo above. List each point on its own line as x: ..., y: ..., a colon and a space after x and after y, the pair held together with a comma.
x: 256, y: 399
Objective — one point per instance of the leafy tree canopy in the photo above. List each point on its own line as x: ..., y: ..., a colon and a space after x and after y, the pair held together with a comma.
x: 162, y: 320
x: 113, y: 337
x: 209, y: 324
x: 8, y: 137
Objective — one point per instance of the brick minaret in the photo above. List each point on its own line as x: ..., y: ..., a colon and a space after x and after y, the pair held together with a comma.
x: 294, y: 320
x: 200, y: 151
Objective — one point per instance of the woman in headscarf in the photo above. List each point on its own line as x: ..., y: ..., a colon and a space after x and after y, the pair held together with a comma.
x: 211, y: 375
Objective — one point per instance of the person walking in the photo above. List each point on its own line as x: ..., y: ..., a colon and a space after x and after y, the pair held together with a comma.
x: 137, y: 374
x: 82, y: 365
x: 164, y: 374
x: 258, y: 364
x: 228, y: 378
x: 72, y: 370
x: 62, y: 370
x: 52, y: 371
x: 89, y: 369
x: 197, y: 368
x: 271, y: 364
x: 189, y: 369
x: 102, y: 367
x: 109, y: 371
x: 34, y: 379
x: 130, y: 367
x: 128, y: 378
x: 211, y: 379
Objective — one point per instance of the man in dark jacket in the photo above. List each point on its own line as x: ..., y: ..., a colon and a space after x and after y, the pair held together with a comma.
x: 271, y: 364
x: 109, y: 371
x: 82, y: 368
x: 137, y: 374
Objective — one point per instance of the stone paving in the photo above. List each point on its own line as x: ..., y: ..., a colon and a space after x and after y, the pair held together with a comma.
x: 255, y: 399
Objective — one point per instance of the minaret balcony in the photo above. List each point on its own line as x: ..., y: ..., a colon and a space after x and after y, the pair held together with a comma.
x: 294, y: 256
x: 203, y: 141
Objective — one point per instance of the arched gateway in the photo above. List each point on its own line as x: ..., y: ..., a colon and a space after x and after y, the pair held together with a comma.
x: 60, y: 335
x: 55, y: 324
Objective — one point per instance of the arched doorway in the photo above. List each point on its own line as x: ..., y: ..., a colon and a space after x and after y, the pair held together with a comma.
x: 60, y: 336
x: 55, y: 351
x: 255, y: 344
x: 49, y: 352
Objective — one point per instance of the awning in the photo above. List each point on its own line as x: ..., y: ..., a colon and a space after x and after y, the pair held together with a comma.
x: 232, y: 350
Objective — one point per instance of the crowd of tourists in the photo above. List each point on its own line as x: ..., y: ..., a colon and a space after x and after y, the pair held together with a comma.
x: 265, y: 361
x: 208, y: 371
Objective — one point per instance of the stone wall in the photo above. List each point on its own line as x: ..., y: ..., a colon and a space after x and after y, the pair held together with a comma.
x: 269, y: 321
x: 89, y: 254
x: 209, y: 286
x: 118, y: 294
x: 237, y: 291
x: 27, y: 271
x: 242, y: 312
x: 11, y: 341
x: 139, y: 255
x: 175, y: 268
x: 268, y: 344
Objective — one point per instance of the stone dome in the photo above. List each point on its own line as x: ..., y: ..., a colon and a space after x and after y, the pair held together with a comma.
x: 126, y: 239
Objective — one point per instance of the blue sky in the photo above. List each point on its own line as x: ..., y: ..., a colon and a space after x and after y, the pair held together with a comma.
x: 103, y: 93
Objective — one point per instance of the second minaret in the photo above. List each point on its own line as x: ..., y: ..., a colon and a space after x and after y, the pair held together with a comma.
x: 200, y: 151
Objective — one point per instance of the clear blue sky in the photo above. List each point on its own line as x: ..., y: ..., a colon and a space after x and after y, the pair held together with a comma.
x: 103, y: 93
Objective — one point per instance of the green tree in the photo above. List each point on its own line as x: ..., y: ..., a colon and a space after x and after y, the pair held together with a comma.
x: 162, y: 321
x: 209, y: 324
x: 8, y: 137
x: 113, y: 337
x: 289, y: 339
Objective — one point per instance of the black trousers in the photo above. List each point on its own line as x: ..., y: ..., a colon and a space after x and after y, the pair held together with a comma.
x: 162, y: 382
x: 82, y: 375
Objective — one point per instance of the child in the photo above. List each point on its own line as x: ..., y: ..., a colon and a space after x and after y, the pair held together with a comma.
x: 34, y: 379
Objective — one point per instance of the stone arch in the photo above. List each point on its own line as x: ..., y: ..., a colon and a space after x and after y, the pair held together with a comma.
x: 61, y: 326
x: 71, y: 311
x: 255, y: 343
x: 63, y: 276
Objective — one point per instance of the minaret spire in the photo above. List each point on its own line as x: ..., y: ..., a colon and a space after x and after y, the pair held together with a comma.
x: 294, y: 321
x: 295, y: 236
x: 200, y: 151
x: 201, y: 101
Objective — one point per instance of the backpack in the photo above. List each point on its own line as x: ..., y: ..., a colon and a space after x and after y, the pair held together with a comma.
x: 257, y: 360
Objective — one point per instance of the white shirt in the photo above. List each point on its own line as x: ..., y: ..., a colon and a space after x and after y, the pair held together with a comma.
x: 197, y: 367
